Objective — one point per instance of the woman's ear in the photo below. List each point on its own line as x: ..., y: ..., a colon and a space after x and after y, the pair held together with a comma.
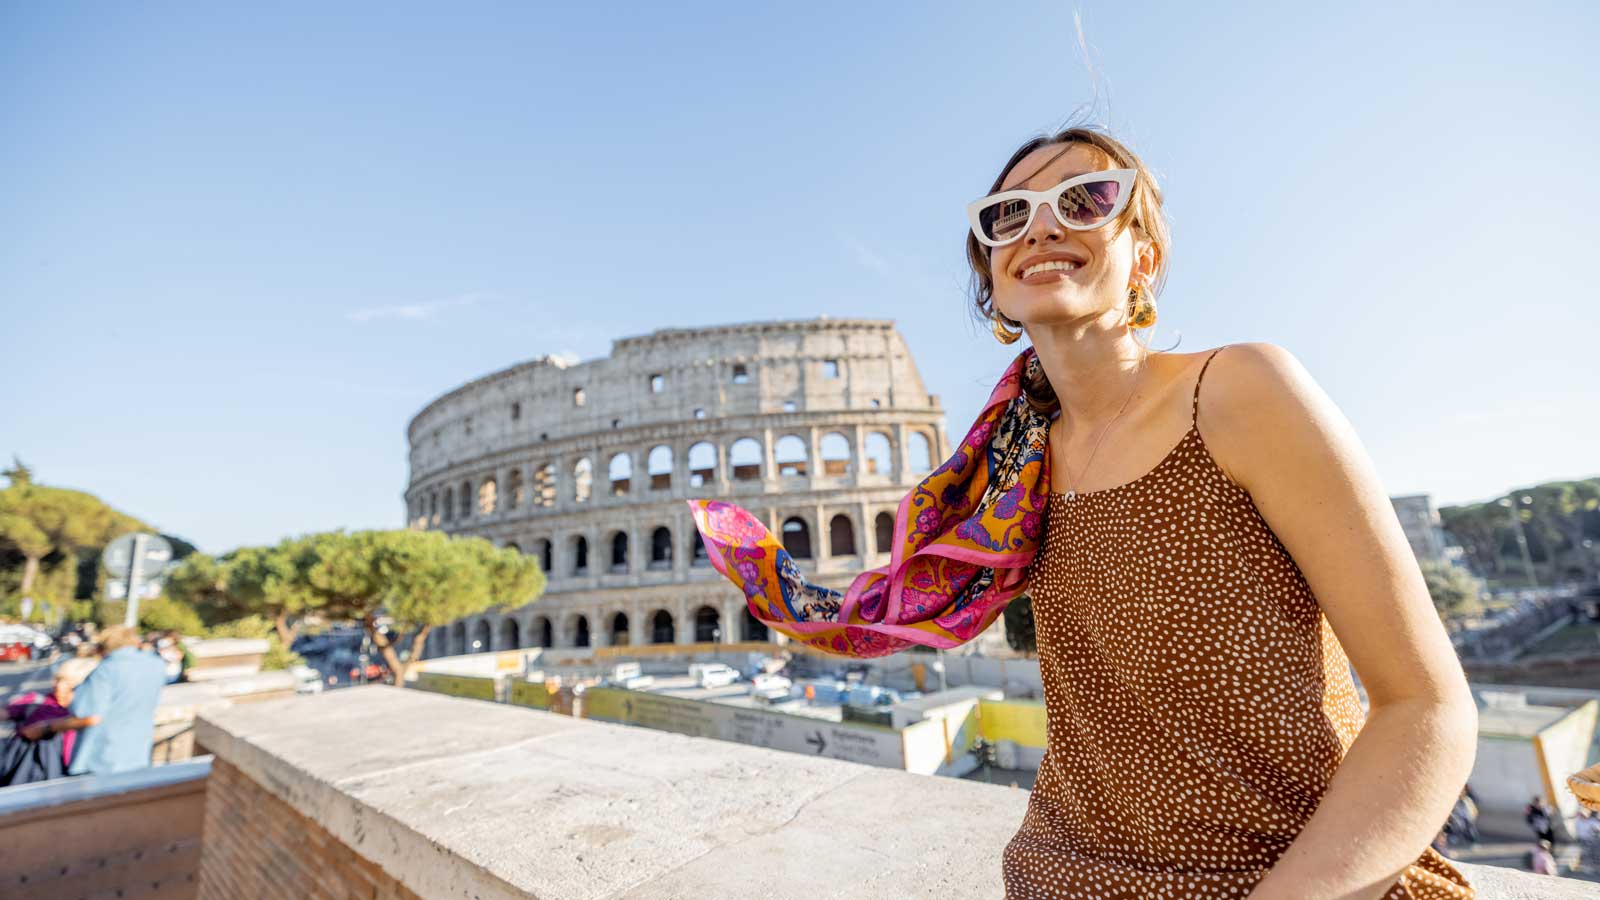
x: 1146, y: 260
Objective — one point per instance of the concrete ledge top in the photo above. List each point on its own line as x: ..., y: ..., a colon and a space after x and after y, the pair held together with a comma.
x: 462, y: 798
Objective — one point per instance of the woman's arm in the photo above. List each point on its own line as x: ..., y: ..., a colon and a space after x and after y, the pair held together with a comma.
x: 55, y: 726
x: 1277, y: 435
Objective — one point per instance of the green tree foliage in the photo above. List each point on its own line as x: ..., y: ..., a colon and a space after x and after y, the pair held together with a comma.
x: 155, y: 614
x: 278, y: 655
x: 1454, y: 591
x: 420, y: 579
x: 49, y: 528
x: 1556, y: 519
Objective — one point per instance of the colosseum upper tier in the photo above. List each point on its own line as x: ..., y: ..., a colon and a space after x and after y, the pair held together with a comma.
x: 819, y: 427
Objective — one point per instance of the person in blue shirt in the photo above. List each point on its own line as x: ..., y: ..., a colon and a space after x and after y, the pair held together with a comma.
x: 116, y: 707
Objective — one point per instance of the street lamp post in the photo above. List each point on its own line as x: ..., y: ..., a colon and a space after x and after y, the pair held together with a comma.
x: 1522, y: 538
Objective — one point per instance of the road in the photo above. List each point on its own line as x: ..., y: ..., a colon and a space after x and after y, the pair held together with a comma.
x: 26, y: 676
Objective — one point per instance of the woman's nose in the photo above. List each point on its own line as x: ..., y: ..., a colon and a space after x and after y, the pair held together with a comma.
x: 1045, y: 227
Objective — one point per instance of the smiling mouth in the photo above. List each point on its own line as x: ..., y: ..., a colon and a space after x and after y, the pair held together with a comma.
x: 1053, y: 265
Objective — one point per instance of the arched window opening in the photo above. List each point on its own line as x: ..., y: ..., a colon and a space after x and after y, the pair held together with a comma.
x: 619, y: 553
x: 546, y: 632
x: 697, y: 550
x: 841, y: 536
x: 741, y: 373
x: 883, y: 528
x: 702, y: 464
x: 661, y: 630
x: 835, y: 450
x: 921, y: 453
x: 480, y: 637
x: 510, y: 635
x: 488, y: 497
x: 541, y: 548
x: 878, y: 455
x: 659, y: 466
x: 797, y: 537
x: 465, y: 500
x: 582, y: 480
x: 754, y: 628
x: 744, y: 457
x: 544, y: 485
x: 513, y: 545
x: 433, y: 508
x: 449, y: 504
x: 619, y: 630
x: 658, y: 383
x: 580, y: 555
x: 707, y: 626
x: 790, y: 455
x: 580, y: 632
x: 516, y: 489
x: 661, y: 548
x: 621, y: 473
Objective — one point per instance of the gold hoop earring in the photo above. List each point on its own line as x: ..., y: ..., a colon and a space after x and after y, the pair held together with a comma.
x: 1141, y: 307
x: 1002, y: 333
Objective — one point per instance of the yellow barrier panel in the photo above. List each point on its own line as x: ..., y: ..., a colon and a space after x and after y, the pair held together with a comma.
x: 1019, y: 721
x: 530, y: 693
x: 468, y: 686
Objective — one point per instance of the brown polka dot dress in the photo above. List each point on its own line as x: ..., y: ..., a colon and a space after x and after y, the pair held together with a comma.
x: 1197, y: 702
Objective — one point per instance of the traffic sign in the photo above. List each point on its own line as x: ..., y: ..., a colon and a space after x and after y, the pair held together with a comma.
x: 118, y: 555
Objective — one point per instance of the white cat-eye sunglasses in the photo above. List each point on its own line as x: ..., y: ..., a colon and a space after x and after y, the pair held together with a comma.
x: 1081, y: 203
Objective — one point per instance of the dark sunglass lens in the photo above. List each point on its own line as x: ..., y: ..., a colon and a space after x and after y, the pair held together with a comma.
x: 1089, y: 204
x: 1004, y: 220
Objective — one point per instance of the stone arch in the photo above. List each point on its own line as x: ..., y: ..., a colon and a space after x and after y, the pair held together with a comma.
x: 919, y: 450
x: 702, y: 464
x: 883, y: 532
x: 661, y: 628
x: 619, y: 630
x: 744, y: 458
x: 619, y: 471
x: 878, y: 454
x: 482, y: 640
x: 541, y: 549
x: 510, y: 635
x: 580, y: 631
x: 791, y: 455
x: 433, y: 508
x: 582, y: 480
x: 580, y: 555
x: 516, y: 488
x: 488, y: 497
x: 841, y: 536
x: 661, y: 548
x: 464, y: 501
x: 544, y: 485
x: 544, y: 632
x: 658, y: 465
x: 457, y: 644
x: 753, y: 628
x: 697, y: 549
x: 619, y: 552
x: 513, y: 545
x: 449, y: 504
x: 797, y: 537
x: 707, y: 625
x: 834, y: 448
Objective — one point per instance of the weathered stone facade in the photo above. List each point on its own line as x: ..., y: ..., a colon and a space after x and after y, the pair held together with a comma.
x: 817, y: 426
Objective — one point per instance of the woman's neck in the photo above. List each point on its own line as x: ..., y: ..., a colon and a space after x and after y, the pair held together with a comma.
x: 1091, y: 371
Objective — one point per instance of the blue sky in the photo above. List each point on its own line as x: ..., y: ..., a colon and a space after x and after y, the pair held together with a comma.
x: 239, y: 248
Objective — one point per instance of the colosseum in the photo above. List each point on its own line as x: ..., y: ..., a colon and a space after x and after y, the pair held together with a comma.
x: 819, y: 427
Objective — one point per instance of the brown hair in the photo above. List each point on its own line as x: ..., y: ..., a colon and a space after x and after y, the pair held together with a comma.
x: 1143, y: 214
x: 116, y: 637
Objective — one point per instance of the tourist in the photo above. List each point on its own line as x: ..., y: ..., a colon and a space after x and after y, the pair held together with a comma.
x: 1538, y: 817
x: 1588, y: 829
x: 120, y: 696
x: 1542, y: 861
x: 42, y: 746
x: 1185, y: 524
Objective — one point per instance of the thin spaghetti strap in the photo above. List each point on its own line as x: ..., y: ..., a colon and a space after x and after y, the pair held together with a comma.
x: 1194, y: 417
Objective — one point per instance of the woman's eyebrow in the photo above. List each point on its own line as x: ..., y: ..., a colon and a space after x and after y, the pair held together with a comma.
x: 1063, y: 178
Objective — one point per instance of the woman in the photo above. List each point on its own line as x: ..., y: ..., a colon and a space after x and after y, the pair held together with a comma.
x: 40, y: 749
x: 1199, y: 564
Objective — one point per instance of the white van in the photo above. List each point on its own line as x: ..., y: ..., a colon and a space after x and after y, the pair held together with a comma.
x: 710, y: 675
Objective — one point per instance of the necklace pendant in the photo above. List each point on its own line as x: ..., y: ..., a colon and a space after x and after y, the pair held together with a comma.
x: 1071, y: 493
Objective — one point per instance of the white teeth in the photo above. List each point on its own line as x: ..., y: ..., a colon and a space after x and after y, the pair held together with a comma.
x: 1054, y: 265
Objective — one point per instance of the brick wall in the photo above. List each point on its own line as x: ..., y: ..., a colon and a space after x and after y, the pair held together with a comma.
x: 258, y: 846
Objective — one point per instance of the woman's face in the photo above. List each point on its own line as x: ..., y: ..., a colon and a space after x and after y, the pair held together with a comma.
x: 63, y: 690
x: 1104, y: 259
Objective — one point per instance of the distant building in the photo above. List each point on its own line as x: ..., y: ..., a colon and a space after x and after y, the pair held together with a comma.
x: 817, y: 427
x: 1429, y: 540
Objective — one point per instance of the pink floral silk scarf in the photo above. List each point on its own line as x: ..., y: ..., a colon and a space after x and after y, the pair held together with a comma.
x: 963, y: 539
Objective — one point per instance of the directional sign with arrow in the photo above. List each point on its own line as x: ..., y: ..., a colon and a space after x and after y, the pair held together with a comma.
x: 816, y: 741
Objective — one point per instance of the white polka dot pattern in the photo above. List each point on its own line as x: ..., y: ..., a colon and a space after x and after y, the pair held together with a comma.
x: 1197, y: 701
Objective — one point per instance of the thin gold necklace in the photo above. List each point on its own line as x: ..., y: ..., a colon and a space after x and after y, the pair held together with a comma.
x: 1072, y: 491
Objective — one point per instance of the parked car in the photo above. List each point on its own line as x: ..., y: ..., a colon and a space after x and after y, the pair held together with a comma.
x: 710, y: 675
x: 766, y: 686
x: 308, y: 680
x: 15, y: 650
x: 30, y: 643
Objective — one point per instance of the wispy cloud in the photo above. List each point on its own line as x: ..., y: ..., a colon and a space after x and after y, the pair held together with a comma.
x: 415, y: 311
x: 867, y: 257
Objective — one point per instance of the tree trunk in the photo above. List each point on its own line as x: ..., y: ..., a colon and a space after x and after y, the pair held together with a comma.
x: 286, y: 633
x: 386, y: 648
x: 30, y: 571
